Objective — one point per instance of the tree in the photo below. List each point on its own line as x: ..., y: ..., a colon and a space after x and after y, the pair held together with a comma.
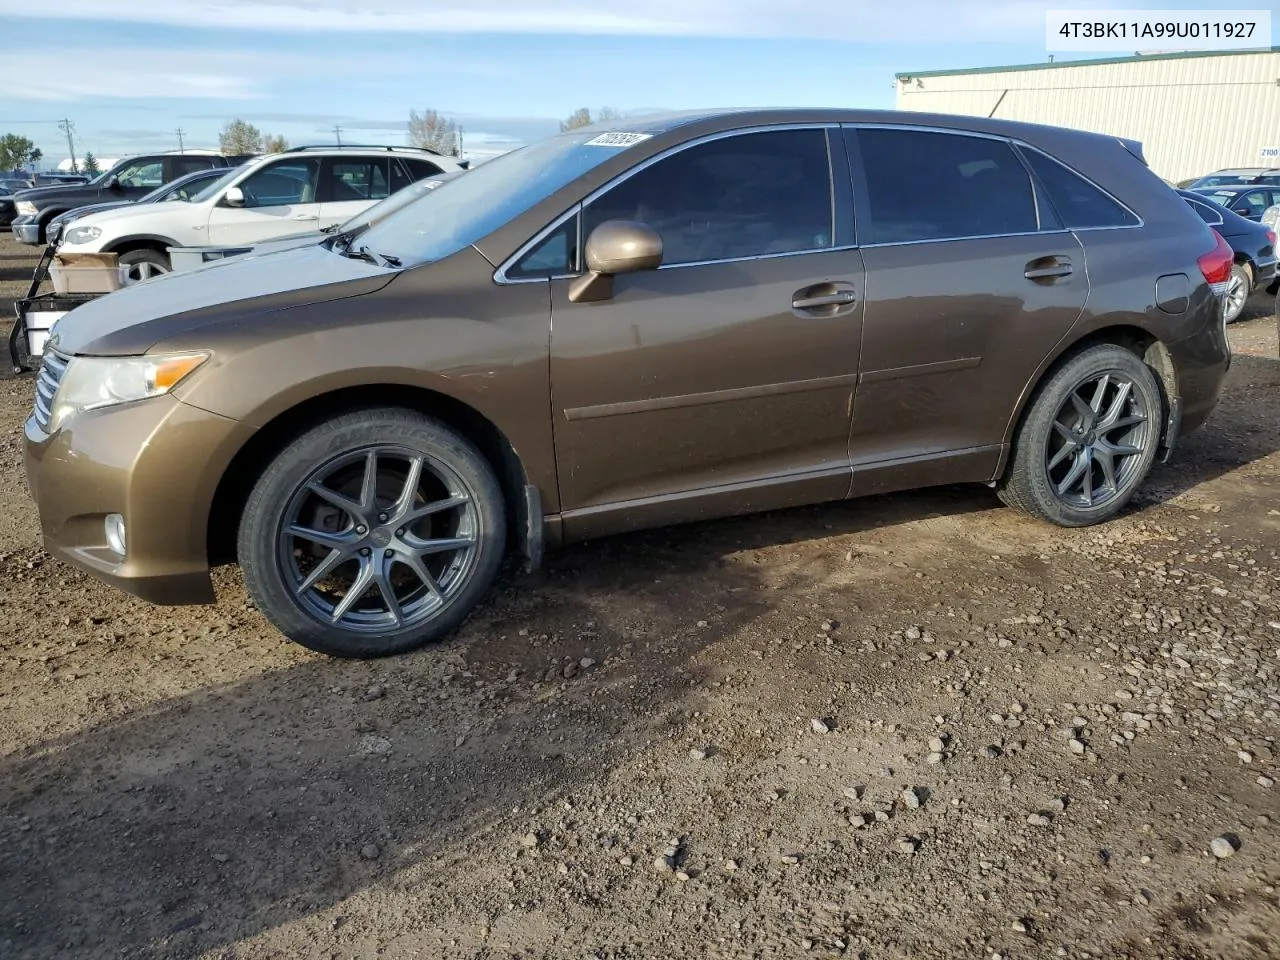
x: 90, y: 164
x: 15, y: 151
x: 579, y: 118
x: 239, y: 137
x: 35, y: 156
x: 431, y: 130
x: 274, y: 143
x: 582, y: 118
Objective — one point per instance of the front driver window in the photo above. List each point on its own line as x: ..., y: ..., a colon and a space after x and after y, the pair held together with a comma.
x: 142, y: 175
x: 747, y: 195
x: 282, y: 184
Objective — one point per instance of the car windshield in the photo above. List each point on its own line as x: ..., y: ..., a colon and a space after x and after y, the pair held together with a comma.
x: 388, y: 205
x: 475, y: 204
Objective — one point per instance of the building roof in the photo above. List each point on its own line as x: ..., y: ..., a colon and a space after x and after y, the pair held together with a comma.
x: 1063, y: 64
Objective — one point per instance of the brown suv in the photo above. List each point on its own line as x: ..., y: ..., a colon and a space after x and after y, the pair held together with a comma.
x: 675, y: 318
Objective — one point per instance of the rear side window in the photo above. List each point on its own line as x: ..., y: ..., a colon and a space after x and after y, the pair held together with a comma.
x: 1205, y: 212
x: 922, y: 185
x: 184, y: 165
x: 421, y: 169
x: 1078, y: 202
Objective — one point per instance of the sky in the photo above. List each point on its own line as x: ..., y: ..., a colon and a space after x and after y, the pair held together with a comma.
x: 130, y: 74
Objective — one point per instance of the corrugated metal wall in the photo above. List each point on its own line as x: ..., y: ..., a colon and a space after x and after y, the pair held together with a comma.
x: 1192, y: 114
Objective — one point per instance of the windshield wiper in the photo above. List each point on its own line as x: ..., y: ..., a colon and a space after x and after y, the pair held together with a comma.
x: 364, y: 253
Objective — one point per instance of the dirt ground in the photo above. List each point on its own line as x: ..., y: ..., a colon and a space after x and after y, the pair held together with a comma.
x: 1026, y: 742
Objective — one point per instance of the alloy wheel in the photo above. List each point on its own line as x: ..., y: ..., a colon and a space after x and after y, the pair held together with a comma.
x: 379, y: 539
x: 1100, y: 436
x: 144, y: 270
x: 1236, y: 296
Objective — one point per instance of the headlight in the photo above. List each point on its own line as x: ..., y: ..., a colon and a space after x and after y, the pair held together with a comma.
x: 83, y: 234
x: 25, y: 208
x: 92, y: 382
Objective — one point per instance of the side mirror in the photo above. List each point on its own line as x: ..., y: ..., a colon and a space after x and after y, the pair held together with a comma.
x: 1243, y: 211
x: 112, y: 183
x: 614, y: 247
x: 234, y: 197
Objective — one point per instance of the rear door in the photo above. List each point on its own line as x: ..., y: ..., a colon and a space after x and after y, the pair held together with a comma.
x: 350, y: 185
x: 279, y: 201
x: 970, y: 283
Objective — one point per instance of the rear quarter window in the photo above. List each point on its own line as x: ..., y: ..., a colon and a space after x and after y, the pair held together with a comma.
x: 1079, y: 203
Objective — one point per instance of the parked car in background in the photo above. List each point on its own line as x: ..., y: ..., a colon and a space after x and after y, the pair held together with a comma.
x: 369, y: 426
x: 129, y: 179
x: 1237, y: 176
x: 1254, y: 245
x: 184, y: 188
x: 1247, y: 201
x: 280, y: 194
x: 343, y: 233
x: 7, y: 211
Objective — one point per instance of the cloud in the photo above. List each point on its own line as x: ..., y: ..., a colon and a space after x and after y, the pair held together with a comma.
x: 137, y: 73
x: 864, y: 21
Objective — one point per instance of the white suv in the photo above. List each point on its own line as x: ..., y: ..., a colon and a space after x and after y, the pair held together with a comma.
x: 297, y: 191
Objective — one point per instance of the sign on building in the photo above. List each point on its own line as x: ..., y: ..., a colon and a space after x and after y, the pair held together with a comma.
x: 1270, y: 153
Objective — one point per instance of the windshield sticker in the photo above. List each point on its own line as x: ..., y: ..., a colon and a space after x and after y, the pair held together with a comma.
x: 617, y: 139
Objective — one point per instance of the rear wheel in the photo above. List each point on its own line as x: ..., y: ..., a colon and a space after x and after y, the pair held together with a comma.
x: 1088, y: 439
x: 1238, y: 289
x: 145, y: 264
x: 372, y: 534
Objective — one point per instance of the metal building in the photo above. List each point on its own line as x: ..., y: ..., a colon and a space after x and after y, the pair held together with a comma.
x: 1193, y: 112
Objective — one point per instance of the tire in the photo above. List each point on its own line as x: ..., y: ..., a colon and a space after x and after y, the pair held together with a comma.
x: 348, y: 535
x: 145, y: 264
x: 1239, y: 287
x: 1050, y: 445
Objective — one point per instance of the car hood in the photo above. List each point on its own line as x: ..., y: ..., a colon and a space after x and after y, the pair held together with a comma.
x: 130, y: 210
x: 38, y: 195
x: 132, y: 320
x: 78, y: 212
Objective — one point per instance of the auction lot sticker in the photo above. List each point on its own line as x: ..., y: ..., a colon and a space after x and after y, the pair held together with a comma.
x: 1130, y: 31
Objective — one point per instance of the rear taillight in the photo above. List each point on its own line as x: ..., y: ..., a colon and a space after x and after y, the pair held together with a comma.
x: 1271, y: 237
x: 1216, y: 264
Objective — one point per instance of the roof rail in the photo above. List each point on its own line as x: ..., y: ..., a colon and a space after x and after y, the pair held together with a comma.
x: 359, y: 146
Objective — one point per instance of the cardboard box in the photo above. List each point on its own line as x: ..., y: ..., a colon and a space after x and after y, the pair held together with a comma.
x: 86, y: 273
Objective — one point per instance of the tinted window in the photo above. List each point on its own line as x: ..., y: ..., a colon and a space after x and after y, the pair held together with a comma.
x: 938, y: 186
x: 184, y: 165
x: 142, y: 173
x: 358, y: 180
x: 400, y: 176
x: 420, y: 169
x: 1078, y: 202
x: 555, y: 256
x: 743, y: 196
x: 280, y: 184
x: 1206, y: 213
x: 1251, y: 204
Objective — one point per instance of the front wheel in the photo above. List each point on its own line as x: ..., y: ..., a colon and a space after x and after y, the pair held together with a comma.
x: 1088, y: 439
x: 144, y: 264
x: 372, y: 534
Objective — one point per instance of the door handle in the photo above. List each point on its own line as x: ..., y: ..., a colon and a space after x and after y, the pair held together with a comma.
x: 1048, y: 268
x: 824, y: 300
x: 307, y: 216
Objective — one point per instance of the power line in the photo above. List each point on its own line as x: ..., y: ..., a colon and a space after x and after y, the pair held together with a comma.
x: 180, y: 132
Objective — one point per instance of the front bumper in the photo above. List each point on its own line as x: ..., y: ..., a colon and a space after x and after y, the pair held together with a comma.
x: 27, y: 230
x: 157, y: 462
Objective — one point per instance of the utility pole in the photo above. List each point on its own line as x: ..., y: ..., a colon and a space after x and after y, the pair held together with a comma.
x: 66, y: 126
x: 181, y: 148
x: 337, y: 132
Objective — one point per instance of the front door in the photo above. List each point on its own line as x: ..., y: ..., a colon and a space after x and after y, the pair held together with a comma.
x: 723, y: 381
x: 970, y: 284
x: 279, y: 201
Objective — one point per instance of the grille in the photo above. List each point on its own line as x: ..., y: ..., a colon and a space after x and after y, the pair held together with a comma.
x: 51, y: 372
